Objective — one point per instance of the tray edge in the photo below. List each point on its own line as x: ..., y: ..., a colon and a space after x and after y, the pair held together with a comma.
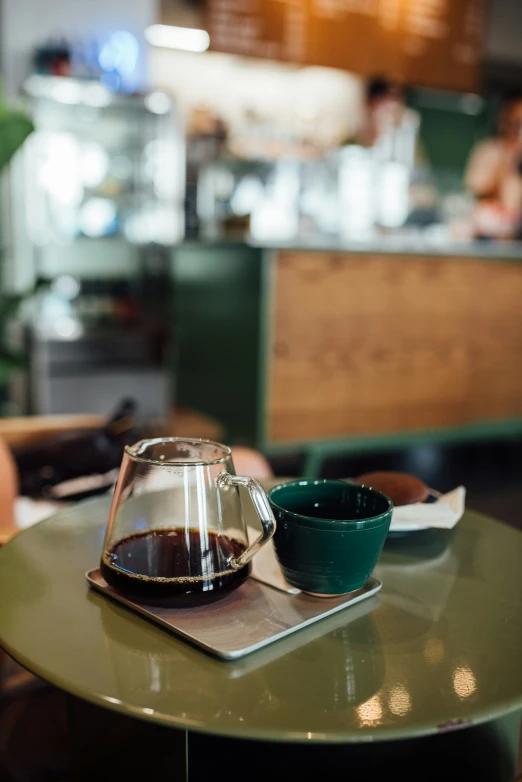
x: 376, y: 586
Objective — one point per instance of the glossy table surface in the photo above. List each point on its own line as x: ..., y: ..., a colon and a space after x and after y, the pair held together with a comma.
x: 439, y: 647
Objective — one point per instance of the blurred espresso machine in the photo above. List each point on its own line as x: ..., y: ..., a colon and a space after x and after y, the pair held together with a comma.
x: 100, y: 207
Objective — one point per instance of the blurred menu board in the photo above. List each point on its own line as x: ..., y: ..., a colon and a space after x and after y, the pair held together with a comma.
x: 434, y: 43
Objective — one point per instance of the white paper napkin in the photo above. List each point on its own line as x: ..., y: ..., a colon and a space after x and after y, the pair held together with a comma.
x: 29, y: 511
x: 442, y: 514
x: 26, y: 513
x: 266, y: 568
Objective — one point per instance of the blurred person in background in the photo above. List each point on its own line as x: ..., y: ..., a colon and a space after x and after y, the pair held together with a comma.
x: 384, y: 108
x: 405, y: 194
x: 494, y: 176
x: 8, y: 492
x: 388, y: 120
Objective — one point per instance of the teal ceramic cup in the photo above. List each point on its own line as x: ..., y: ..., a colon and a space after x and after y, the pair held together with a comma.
x: 329, y: 534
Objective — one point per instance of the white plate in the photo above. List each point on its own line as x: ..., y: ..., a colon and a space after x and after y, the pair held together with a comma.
x: 443, y: 511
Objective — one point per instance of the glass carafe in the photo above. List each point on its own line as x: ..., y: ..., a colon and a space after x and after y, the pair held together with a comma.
x: 176, y: 532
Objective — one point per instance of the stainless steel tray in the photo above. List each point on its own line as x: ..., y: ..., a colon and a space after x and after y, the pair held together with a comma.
x: 250, y: 617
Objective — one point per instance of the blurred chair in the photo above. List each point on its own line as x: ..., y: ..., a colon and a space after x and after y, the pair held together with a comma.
x: 20, y: 432
x: 26, y: 430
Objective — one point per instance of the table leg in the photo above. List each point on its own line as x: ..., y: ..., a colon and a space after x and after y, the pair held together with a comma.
x: 104, y: 744
x: 506, y: 731
x: 483, y: 752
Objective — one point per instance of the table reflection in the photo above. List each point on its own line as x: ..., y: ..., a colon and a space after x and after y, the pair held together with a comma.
x: 338, y: 662
x: 464, y: 682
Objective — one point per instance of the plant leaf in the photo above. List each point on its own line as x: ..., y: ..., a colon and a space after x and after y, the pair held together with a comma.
x: 10, y: 363
x: 9, y: 305
x: 14, y: 129
x: 10, y: 302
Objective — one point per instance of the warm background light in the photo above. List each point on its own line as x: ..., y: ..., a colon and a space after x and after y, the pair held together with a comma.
x: 185, y: 38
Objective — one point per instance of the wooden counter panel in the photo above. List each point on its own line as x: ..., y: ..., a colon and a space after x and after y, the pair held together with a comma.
x: 365, y: 344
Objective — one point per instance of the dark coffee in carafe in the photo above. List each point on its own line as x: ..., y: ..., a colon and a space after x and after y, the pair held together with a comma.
x: 178, y: 564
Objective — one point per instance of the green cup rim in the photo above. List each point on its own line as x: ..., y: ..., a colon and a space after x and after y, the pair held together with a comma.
x: 370, y: 522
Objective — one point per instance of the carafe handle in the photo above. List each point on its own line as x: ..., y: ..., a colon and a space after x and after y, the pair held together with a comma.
x: 263, y: 510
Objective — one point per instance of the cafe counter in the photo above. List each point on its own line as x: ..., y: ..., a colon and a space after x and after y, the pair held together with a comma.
x: 331, y: 348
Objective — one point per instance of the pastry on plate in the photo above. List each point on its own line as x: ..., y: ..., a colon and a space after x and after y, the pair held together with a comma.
x: 401, y: 488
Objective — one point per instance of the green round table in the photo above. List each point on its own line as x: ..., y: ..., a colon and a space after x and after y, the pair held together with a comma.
x: 438, y: 648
